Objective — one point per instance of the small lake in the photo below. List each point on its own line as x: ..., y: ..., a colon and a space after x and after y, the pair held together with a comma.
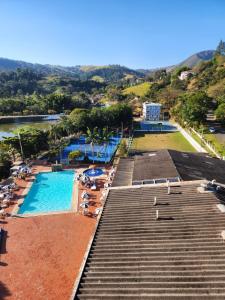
x: 6, y: 130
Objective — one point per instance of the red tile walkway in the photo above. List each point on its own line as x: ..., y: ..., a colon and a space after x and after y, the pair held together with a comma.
x: 41, y: 256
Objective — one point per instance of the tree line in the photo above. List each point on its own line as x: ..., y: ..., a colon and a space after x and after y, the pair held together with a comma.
x: 106, y: 121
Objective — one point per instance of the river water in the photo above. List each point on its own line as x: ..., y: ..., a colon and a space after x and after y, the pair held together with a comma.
x: 7, y: 129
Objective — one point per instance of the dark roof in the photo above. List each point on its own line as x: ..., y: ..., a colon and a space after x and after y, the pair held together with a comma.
x: 154, y: 165
x: 194, y: 166
x: 124, y: 172
x: 169, y: 164
x: 135, y: 256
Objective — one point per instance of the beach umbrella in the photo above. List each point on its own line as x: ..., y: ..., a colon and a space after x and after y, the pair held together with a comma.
x: 84, y: 205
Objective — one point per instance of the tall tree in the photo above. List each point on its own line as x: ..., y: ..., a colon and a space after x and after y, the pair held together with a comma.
x: 105, y: 139
x: 221, y: 48
x: 93, y: 138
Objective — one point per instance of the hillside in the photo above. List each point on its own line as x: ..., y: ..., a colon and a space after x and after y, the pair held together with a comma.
x: 105, y: 73
x: 195, y: 59
x: 139, y: 90
x: 188, y: 99
x: 190, y: 62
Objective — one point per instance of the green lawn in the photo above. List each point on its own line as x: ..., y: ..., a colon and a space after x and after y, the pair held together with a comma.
x: 155, y: 141
x: 197, y: 138
x: 139, y: 89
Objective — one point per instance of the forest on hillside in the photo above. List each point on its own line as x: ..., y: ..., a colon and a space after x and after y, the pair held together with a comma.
x: 26, y: 91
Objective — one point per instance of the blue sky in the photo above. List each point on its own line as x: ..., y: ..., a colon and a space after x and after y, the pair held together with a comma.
x: 134, y: 33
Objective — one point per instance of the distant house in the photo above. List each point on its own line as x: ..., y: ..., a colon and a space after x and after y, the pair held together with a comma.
x: 184, y: 75
x: 151, y: 111
x: 94, y: 99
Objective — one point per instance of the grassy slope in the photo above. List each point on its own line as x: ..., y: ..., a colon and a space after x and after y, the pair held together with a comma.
x: 153, y: 141
x: 92, y: 68
x: 139, y: 90
x: 97, y: 78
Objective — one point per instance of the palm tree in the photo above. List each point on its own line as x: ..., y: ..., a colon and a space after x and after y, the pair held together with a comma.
x: 52, y: 133
x: 67, y: 125
x: 105, y: 138
x: 92, y: 138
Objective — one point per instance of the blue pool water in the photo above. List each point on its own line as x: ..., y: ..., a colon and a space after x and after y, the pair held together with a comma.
x: 51, y: 191
x: 157, y: 126
x: 101, y: 153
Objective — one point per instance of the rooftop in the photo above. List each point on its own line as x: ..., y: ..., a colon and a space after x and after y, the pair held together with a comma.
x: 168, y: 164
x: 152, y: 104
x: 181, y: 255
x: 156, y: 164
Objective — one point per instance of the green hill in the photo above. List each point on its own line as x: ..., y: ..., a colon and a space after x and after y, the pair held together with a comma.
x: 139, y: 89
x: 107, y: 73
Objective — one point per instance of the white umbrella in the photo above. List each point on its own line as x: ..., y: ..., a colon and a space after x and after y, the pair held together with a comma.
x: 84, y: 205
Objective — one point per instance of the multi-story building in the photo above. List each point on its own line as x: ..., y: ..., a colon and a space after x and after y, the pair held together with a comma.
x: 151, y: 111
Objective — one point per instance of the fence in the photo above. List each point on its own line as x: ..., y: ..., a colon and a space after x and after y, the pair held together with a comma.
x: 187, y: 134
x: 209, y: 145
x: 191, y: 140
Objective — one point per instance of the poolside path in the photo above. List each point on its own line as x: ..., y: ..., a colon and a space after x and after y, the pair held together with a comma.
x: 41, y: 256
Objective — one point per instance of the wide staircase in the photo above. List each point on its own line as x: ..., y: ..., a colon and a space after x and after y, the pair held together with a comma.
x: 179, y: 256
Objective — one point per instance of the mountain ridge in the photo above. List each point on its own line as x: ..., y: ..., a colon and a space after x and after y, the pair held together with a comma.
x: 89, y: 71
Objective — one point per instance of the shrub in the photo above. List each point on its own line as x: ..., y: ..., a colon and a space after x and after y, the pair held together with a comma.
x: 75, y: 155
x: 123, y: 151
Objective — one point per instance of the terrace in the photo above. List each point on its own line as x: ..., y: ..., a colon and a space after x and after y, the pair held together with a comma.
x: 41, y: 255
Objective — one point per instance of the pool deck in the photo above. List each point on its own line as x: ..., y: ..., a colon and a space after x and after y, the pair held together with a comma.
x: 41, y: 255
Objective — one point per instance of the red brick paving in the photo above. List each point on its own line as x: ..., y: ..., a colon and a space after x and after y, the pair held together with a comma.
x: 41, y: 256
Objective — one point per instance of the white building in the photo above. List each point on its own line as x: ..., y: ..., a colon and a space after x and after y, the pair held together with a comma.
x: 184, y: 75
x: 151, y: 111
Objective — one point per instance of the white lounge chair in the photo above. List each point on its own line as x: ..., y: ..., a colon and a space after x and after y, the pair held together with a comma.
x: 97, y: 211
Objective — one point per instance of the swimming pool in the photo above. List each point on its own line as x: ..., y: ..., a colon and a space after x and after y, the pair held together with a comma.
x: 50, y: 192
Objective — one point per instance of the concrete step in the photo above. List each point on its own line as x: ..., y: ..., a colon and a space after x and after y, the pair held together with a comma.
x: 153, y: 279
x: 123, y: 290
x: 157, y: 253
x: 219, y: 274
x: 157, y: 236
x: 161, y: 223
x: 148, y: 296
x: 162, y: 261
x: 157, y: 268
x: 156, y: 242
x: 149, y: 246
x: 146, y: 231
x: 150, y: 217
